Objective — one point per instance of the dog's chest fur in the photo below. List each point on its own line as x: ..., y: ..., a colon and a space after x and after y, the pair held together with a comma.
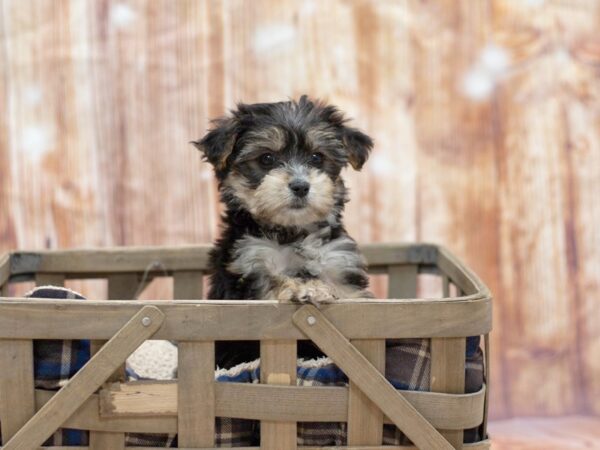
x: 250, y: 263
x: 333, y: 261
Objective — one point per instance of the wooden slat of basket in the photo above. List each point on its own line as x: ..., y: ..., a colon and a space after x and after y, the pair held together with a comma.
x: 448, y: 374
x: 278, y: 367
x: 188, y: 285
x: 196, y: 394
x: 105, y: 441
x: 445, y: 286
x: 49, y: 279
x: 275, y: 403
x: 402, y: 281
x: 487, y: 372
x: 196, y: 376
x: 119, y: 286
x: 461, y: 275
x: 87, y: 417
x: 391, y: 253
x: 100, y: 262
x: 4, y: 270
x: 358, y: 369
x: 83, y: 384
x: 365, y: 419
x: 250, y: 320
x: 17, y: 401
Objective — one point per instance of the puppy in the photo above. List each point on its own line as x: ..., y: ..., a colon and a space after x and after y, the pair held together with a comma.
x: 278, y: 168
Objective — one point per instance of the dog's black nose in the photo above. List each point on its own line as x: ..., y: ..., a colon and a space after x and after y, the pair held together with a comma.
x: 299, y: 187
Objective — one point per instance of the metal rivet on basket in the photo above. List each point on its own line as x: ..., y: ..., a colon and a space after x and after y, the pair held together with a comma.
x: 311, y: 320
x: 146, y: 321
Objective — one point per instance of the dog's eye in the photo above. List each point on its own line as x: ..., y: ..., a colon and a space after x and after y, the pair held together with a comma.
x: 316, y: 159
x: 267, y: 159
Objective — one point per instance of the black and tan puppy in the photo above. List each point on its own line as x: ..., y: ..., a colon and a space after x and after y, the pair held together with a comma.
x: 278, y: 166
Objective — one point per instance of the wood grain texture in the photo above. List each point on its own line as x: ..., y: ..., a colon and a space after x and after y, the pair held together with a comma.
x: 278, y: 367
x: 365, y: 419
x: 448, y: 374
x: 196, y: 394
x: 49, y: 279
x: 17, y: 401
x: 250, y: 320
x: 119, y: 286
x: 152, y: 407
x: 485, y: 118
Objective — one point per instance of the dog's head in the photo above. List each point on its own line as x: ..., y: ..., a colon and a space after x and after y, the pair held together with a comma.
x: 282, y: 161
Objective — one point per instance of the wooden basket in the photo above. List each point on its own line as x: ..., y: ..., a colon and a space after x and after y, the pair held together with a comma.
x: 351, y: 332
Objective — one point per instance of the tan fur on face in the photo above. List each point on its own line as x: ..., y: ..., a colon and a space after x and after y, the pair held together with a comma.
x: 322, y: 136
x: 272, y: 199
x: 270, y: 138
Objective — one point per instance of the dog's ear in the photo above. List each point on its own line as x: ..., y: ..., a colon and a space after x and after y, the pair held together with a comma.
x: 358, y: 145
x: 218, y: 143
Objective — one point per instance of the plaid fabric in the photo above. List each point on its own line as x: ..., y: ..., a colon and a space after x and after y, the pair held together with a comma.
x: 408, y: 366
x: 56, y: 361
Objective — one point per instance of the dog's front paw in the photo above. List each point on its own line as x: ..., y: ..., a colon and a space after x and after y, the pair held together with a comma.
x: 316, y: 291
x: 306, y: 291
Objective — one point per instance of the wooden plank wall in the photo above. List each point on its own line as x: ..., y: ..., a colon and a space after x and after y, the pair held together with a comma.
x: 485, y: 115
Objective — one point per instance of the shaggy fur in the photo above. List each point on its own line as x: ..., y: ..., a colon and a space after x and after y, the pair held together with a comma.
x: 278, y: 166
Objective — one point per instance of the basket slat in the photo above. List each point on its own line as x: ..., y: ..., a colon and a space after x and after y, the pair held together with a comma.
x: 188, y: 285
x: 105, y: 441
x: 196, y: 394
x: 17, y: 401
x: 128, y: 404
x: 247, y: 320
x: 119, y: 286
x: 402, y: 281
x: 448, y: 374
x: 365, y: 419
x: 278, y: 367
x: 196, y: 384
x: 49, y: 279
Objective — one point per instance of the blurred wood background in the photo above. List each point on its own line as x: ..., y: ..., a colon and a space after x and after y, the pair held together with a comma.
x: 486, y: 117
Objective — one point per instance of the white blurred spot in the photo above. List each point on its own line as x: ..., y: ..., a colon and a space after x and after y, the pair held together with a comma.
x: 37, y: 140
x: 380, y: 165
x: 339, y: 51
x: 561, y: 56
x: 309, y: 7
x: 32, y: 95
x: 206, y: 175
x: 534, y: 3
x: 477, y: 84
x: 268, y: 38
x: 122, y: 15
x: 480, y: 80
x: 494, y: 59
